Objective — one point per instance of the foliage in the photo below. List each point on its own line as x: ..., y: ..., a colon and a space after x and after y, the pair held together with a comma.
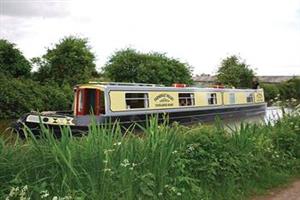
x: 167, y: 162
x: 286, y: 91
x: 270, y: 91
x: 128, y: 65
x: 12, y: 61
x: 234, y: 72
x: 18, y: 96
x: 69, y: 62
x: 290, y: 89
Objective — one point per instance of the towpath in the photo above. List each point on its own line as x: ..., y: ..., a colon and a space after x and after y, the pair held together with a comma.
x: 290, y: 192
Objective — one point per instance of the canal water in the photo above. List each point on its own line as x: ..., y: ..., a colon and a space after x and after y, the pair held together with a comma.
x: 272, y: 114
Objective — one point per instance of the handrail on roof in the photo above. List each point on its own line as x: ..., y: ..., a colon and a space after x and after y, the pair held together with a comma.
x: 125, y: 84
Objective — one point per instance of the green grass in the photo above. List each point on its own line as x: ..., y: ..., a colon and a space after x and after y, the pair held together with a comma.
x: 165, y: 162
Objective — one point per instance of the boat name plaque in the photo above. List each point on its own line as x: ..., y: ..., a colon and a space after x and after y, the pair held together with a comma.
x: 164, y: 100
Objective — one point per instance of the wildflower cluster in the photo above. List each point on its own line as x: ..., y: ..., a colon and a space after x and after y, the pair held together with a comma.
x: 117, y: 143
x: 62, y: 198
x: 191, y: 148
x: 44, y: 194
x: 17, y: 192
x: 107, y: 151
x: 173, y: 190
x: 125, y: 163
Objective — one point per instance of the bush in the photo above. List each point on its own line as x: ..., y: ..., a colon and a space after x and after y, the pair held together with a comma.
x: 246, y: 161
x: 271, y: 91
x: 284, y: 91
x: 19, y: 96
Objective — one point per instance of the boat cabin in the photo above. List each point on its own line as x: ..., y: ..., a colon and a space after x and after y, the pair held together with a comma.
x: 100, y: 98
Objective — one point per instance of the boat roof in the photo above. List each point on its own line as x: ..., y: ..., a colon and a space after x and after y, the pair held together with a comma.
x: 154, y: 87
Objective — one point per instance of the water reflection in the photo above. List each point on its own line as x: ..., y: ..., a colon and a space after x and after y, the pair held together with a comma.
x: 271, y: 115
x: 274, y: 113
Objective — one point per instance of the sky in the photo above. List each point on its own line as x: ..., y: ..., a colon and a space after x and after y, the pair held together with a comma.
x: 264, y: 33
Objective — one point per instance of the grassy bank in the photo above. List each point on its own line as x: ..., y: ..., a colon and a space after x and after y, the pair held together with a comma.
x: 167, y: 162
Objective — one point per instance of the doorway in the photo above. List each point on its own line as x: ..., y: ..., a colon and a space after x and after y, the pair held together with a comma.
x: 90, y: 102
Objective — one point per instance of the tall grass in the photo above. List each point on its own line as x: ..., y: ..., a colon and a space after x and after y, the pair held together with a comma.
x: 165, y: 162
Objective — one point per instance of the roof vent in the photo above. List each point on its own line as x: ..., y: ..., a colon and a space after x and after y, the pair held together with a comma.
x: 179, y: 85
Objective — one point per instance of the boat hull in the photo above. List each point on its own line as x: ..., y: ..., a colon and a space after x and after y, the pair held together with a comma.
x: 81, y: 124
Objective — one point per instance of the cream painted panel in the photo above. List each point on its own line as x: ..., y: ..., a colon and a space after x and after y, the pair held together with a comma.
x: 117, y: 101
x: 219, y: 98
x: 201, y: 99
x: 226, y: 98
x: 240, y: 98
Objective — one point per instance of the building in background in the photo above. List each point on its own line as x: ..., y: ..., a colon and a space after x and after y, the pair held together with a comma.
x: 207, y: 80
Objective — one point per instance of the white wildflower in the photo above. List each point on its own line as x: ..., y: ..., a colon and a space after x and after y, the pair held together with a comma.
x: 117, y: 143
x: 173, y: 189
x: 125, y: 163
x: 132, y: 166
x: 174, y: 152
x: 178, y: 194
x: 106, y: 151
x: 55, y: 198
x: 25, y: 188
x: 160, y: 194
x: 13, y: 191
x: 107, y: 170
x: 44, y: 194
x: 191, y: 148
x: 66, y: 198
x: 24, y: 198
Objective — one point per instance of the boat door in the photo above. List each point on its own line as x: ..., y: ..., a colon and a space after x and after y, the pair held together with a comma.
x: 89, y: 101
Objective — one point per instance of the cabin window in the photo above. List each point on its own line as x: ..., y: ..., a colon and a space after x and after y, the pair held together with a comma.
x: 212, y: 98
x: 231, y: 98
x: 186, y: 99
x: 250, y: 98
x: 136, y: 100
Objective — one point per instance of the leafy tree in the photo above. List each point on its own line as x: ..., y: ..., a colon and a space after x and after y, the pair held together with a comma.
x: 12, y: 61
x: 19, y: 96
x: 235, y: 72
x: 69, y: 62
x: 128, y: 65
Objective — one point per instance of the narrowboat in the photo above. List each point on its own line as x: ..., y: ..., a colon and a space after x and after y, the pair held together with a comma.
x: 134, y: 102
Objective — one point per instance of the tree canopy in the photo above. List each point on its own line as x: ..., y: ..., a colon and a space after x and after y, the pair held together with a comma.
x: 128, y: 65
x: 12, y: 61
x: 69, y: 62
x: 234, y: 72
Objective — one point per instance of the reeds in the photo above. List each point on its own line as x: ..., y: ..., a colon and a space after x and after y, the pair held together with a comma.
x: 164, y: 162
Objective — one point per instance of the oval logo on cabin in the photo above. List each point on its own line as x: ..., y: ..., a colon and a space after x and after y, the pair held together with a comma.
x: 259, y: 96
x: 163, y: 97
x: 163, y: 100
